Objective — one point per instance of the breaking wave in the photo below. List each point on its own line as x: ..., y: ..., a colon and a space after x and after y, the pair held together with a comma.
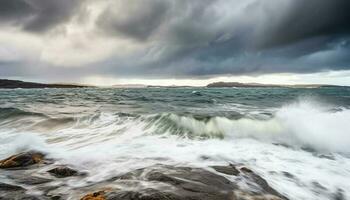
x: 302, y: 124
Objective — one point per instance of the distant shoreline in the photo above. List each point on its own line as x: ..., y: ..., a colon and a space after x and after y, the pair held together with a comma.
x: 15, y: 84
x: 258, y: 85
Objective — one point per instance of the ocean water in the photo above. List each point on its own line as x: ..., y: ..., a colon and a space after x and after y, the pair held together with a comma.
x: 297, y: 139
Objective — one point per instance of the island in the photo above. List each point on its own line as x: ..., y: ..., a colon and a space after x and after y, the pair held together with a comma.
x: 259, y: 85
x: 13, y: 84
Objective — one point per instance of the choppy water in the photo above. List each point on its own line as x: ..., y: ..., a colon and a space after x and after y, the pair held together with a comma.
x: 297, y: 139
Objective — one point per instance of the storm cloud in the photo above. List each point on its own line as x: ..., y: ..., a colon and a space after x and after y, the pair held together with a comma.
x: 308, y: 19
x: 37, y: 15
x: 181, y: 38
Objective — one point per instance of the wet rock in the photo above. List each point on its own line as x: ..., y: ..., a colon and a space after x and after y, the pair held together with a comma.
x: 95, y: 196
x: 22, y: 160
x: 8, y: 187
x: 229, y: 170
x: 56, y: 198
x: 262, y: 183
x: 62, y: 172
x: 12, y: 192
x: 246, y: 170
x: 162, y: 182
x: 146, y: 194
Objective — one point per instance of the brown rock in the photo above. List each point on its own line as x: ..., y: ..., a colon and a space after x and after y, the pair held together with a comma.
x: 95, y: 196
x: 62, y: 172
x: 22, y: 160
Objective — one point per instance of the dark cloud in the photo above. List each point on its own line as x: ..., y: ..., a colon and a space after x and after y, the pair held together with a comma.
x: 265, y: 23
x: 12, y: 10
x: 172, y: 22
x: 205, y: 37
x: 217, y: 59
x: 37, y: 15
x: 138, y: 19
x: 307, y: 19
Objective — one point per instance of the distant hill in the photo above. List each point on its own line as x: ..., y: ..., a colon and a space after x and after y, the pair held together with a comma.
x: 12, y: 84
x: 246, y: 85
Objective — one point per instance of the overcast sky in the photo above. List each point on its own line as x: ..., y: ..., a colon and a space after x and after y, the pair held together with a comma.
x: 179, y: 42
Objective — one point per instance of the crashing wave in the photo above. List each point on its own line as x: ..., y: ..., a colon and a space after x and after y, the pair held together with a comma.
x: 302, y: 124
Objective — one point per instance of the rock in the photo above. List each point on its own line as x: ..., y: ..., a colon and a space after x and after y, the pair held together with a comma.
x: 158, y: 182
x: 147, y: 194
x: 22, y: 160
x: 56, y: 197
x: 8, y: 187
x: 12, y: 192
x: 62, y: 172
x: 163, y: 182
x: 95, y: 196
x: 262, y: 183
x: 246, y: 170
x: 229, y: 170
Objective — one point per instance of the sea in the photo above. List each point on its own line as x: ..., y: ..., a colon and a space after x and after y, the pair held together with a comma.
x: 298, y: 139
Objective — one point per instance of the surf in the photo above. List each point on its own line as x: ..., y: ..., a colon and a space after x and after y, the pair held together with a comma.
x: 302, y: 124
x: 295, y: 144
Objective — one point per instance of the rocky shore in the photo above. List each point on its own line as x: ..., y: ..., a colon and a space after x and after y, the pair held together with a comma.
x: 33, y: 176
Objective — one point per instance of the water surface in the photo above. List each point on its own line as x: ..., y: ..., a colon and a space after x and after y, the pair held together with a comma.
x: 297, y: 139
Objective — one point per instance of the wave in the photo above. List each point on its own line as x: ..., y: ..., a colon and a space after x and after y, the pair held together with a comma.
x: 304, y: 124
x: 10, y: 112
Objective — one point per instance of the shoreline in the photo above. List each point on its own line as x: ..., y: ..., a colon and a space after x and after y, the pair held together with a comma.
x: 34, y: 171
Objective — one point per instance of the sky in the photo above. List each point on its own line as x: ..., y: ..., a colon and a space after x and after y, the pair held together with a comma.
x: 175, y: 42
